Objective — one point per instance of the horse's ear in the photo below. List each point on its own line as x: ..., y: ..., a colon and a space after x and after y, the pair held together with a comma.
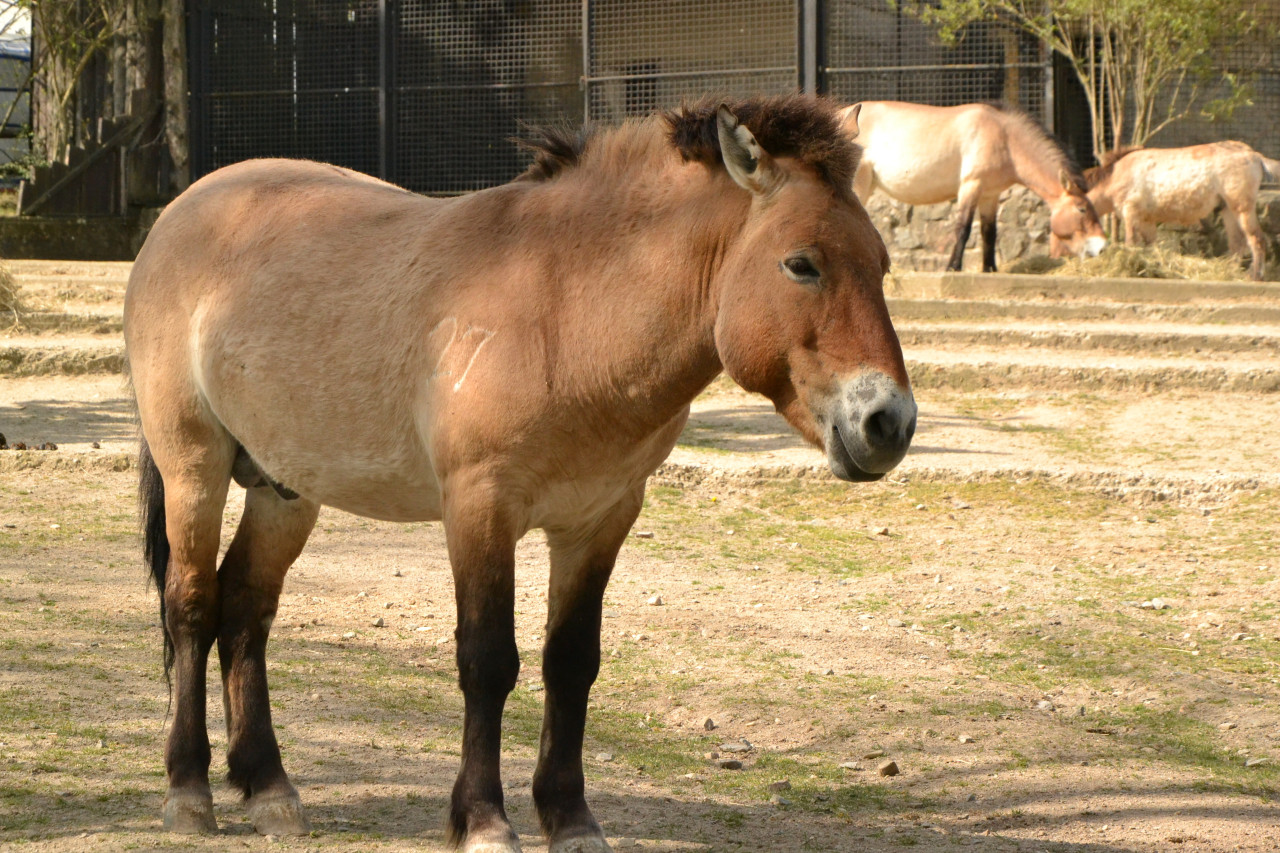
x: 748, y: 164
x: 1064, y: 178
x: 849, y: 120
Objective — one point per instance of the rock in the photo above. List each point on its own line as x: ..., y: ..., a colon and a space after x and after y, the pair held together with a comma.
x: 1045, y: 705
x: 741, y: 746
x: 102, y: 744
x: 711, y: 756
x: 537, y: 688
x: 379, y: 622
x: 881, y: 531
x: 873, y: 754
x: 888, y: 768
x: 850, y: 765
x: 362, y: 594
x: 655, y: 601
x: 897, y: 623
x: 96, y: 446
x: 780, y: 785
x: 779, y: 801
x: 397, y: 574
x: 729, y: 764
x: 1226, y: 727
x: 644, y: 534
x: 1254, y: 762
x: 709, y: 724
x: 349, y: 635
x: 604, y: 757
x: 828, y: 672
x: 966, y: 739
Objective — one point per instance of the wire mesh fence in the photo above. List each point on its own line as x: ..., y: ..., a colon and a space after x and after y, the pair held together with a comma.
x: 428, y: 93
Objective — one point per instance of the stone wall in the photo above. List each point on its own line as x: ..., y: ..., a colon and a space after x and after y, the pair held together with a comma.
x: 919, y: 238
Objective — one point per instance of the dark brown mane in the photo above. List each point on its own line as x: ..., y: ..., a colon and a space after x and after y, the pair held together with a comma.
x: 1107, y: 164
x: 1045, y: 142
x: 554, y: 149
x: 800, y: 126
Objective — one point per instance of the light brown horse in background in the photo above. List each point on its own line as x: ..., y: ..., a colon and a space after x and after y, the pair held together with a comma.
x: 522, y: 357
x: 1181, y: 186
x: 972, y: 153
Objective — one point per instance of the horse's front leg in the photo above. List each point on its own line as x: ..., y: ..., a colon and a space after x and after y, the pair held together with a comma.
x: 271, y: 534
x: 581, y: 561
x: 482, y: 539
x: 967, y: 205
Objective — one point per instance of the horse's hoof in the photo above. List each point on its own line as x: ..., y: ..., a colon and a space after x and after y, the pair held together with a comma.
x: 189, y: 813
x: 593, y: 843
x: 492, y: 841
x: 277, y: 813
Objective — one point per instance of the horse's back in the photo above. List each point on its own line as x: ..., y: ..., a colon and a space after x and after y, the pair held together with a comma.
x: 920, y: 154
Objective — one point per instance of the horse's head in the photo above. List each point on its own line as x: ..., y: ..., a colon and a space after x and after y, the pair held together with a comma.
x: 801, y: 315
x: 1074, y: 227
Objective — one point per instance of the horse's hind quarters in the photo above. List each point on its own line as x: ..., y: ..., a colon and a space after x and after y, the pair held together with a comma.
x: 871, y: 426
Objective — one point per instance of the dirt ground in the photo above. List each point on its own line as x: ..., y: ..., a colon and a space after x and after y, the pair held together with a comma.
x: 1057, y: 618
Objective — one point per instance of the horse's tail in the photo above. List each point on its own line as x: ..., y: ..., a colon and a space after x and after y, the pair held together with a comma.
x: 155, y: 541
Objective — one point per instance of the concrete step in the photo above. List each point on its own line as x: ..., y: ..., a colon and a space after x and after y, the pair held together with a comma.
x: 30, y: 355
x: 1154, y: 338
x: 1043, y: 288
x: 969, y: 310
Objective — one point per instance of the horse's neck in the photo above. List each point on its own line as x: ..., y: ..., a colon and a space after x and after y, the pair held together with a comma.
x: 1037, y: 172
x: 647, y: 328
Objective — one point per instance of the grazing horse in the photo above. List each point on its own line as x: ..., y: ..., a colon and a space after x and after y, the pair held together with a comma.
x: 921, y: 154
x: 521, y: 357
x: 1182, y: 186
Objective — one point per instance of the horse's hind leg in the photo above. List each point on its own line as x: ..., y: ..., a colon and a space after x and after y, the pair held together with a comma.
x: 966, y: 204
x: 271, y: 534
x: 987, y: 216
x: 195, y: 464
x: 581, y: 561
x: 1248, y: 219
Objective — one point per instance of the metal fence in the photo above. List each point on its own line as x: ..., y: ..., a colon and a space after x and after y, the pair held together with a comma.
x: 427, y: 93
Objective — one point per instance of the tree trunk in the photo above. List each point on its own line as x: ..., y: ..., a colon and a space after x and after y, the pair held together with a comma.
x: 176, y: 111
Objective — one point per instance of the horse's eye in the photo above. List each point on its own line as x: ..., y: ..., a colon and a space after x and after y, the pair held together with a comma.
x: 800, y: 269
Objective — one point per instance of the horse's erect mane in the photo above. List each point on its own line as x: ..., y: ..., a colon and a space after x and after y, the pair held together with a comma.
x: 1107, y: 164
x: 800, y: 126
x: 1043, y: 142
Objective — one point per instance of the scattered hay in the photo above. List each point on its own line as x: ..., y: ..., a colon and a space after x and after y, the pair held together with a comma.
x: 11, y: 306
x: 1123, y: 261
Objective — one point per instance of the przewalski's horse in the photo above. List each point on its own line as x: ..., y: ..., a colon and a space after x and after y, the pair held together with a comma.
x: 1181, y: 186
x: 921, y: 154
x: 522, y: 357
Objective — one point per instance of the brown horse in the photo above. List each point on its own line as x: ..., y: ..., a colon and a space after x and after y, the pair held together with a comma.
x: 1181, y: 186
x: 523, y: 357
x: 921, y: 154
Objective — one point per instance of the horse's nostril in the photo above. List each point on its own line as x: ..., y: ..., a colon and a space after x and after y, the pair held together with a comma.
x: 885, y: 429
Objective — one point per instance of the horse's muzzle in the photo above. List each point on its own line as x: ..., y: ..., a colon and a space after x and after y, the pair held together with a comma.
x: 870, y: 428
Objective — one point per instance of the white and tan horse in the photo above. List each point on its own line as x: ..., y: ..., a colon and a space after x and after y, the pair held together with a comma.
x: 972, y: 153
x: 523, y: 357
x: 1181, y: 186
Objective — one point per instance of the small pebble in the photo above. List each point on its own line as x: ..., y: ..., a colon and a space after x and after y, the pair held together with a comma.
x: 397, y: 574
x: 1045, y: 705
x: 897, y: 623
x: 536, y: 688
x: 881, y: 531
x: 604, y: 756
x: 656, y: 601
x: 873, y: 754
x: 1226, y: 727
x: 780, y: 785
x: 966, y: 738
x: 349, y: 635
x: 379, y: 622
x: 102, y: 744
x: 730, y: 764
x: 1254, y: 762
x: 888, y: 768
x: 743, y: 746
x: 709, y: 724
x: 779, y: 801
x: 711, y: 756
x: 850, y: 765
x: 644, y: 534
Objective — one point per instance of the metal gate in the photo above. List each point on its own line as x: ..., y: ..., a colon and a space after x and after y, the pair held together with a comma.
x: 428, y: 93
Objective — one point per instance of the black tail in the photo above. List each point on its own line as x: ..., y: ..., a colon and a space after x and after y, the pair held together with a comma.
x: 155, y: 542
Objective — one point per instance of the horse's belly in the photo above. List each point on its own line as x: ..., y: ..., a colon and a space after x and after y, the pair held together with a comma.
x: 917, y: 178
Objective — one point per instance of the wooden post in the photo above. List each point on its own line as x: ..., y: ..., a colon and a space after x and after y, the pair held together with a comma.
x: 176, y: 109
